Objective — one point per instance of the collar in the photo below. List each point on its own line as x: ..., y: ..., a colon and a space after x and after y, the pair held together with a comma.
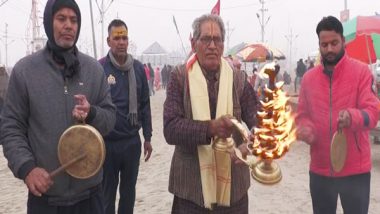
x: 211, y: 76
x: 337, y: 68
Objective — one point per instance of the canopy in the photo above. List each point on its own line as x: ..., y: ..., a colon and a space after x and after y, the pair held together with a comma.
x: 259, y: 52
x: 362, y: 35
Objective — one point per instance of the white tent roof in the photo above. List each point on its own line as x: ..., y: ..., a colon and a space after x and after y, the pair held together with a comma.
x: 155, y: 49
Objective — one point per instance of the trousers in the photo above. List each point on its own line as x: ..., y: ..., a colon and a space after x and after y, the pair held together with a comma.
x: 92, y: 205
x: 121, y: 164
x: 354, y: 193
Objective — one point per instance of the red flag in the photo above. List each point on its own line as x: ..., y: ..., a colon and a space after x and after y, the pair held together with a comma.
x: 216, y: 9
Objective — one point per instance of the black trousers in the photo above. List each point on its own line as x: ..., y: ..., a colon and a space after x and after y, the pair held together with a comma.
x: 121, y: 166
x: 354, y: 192
x: 183, y: 206
x: 92, y: 205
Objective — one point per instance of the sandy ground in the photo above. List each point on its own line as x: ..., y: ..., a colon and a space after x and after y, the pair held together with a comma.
x: 291, y: 195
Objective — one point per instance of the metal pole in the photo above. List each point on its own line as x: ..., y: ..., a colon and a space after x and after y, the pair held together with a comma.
x: 93, y: 31
x: 2, y: 3
x: 34, y: 19
x: 290, y: 38
x: 0, y: 55
x: 103, y: 12
x: 6, y: 44
x: 183, y: 47
x: 102, y: 18
x: 229, y: 32
x: 262, y: 21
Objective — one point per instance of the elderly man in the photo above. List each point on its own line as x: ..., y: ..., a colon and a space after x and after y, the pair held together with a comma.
x: 48, y: 92
x: 200, y: 97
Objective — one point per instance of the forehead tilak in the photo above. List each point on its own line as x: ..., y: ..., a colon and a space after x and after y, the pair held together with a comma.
x: 213, y: 28
x: 119, y: 31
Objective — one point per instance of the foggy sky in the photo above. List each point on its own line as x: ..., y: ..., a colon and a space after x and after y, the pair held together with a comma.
x: 151, y: 20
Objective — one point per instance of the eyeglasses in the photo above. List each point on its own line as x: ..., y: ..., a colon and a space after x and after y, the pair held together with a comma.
x: 206, y: 40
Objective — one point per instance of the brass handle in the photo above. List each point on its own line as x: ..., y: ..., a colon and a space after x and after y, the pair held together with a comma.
x: 249, y: 160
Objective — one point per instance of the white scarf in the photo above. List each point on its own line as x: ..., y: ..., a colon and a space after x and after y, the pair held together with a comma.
x: 215, y: 166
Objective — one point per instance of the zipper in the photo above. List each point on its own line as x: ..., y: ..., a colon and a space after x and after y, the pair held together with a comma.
x: 65, y: 93
x: 330, y: 119
x: 67, y: 116
x: 65, y: 88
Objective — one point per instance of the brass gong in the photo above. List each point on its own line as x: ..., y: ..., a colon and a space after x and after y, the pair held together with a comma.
x: 338, y: 151
x: 81, y: 151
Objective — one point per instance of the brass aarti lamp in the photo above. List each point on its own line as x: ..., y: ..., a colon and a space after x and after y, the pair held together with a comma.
x: 272, y: 136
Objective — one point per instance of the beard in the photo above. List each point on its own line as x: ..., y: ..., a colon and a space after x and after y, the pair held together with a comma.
x: 335, y: 60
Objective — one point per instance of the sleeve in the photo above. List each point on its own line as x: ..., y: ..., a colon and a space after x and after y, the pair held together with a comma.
x: 179, y: 130
x: 14, y: 127
x: 365, y: 116
x: 102, y: 112
x: 145, y: 106
x: 249, y: 103
x: 257, y: 83
x: 303, y: 118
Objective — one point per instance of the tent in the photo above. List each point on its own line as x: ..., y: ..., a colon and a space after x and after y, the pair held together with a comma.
x: 155, y: 54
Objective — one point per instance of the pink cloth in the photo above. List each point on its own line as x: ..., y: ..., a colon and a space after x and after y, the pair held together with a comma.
x: 157, y: 79
x: 147, y: 72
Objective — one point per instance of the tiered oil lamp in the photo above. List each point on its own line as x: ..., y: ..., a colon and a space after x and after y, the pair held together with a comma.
x: 274, y: 132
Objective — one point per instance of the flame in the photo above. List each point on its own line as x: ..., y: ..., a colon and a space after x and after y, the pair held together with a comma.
x: 275, y: 131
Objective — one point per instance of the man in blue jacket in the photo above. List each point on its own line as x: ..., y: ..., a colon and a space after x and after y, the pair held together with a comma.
x: 130, y: 94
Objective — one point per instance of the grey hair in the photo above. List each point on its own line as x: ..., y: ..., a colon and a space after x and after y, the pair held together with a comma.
x: 204, y: 18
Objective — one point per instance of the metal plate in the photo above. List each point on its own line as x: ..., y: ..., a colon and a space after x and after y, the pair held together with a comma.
x: 338, y: 151
x: 79, y: 139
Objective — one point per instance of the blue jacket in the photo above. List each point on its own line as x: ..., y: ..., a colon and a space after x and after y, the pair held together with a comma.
x: 120, y: 97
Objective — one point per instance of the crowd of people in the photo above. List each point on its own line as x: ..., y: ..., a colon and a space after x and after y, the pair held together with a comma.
x: 203, y: 95
x: 157, y: 78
